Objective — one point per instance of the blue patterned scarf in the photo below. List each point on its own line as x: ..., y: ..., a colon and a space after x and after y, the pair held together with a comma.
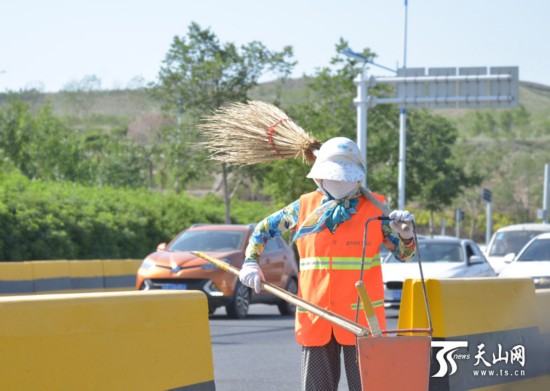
x: 330, y: 214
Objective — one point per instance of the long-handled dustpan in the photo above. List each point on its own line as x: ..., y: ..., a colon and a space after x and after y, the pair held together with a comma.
x: 355, y: 328
x: 392, y: 362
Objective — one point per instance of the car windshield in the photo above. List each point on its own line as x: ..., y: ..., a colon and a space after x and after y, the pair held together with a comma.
x: 510, y: 242
x: 202, y: 240
x: 538, y: 250
x: 437, y: 252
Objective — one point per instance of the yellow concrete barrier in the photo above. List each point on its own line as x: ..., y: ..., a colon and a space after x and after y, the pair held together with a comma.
x: 120, y: 274
x: 462, y: 306
x: 543, y: 310
x: 486, y: 332
x: 86, y: 276
x: 153, y: 340
x: 16, y: 278
x: 63, y: 276
x: 51, y: 276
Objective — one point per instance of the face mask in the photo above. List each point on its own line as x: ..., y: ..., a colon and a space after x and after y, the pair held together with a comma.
x: 340, y: 189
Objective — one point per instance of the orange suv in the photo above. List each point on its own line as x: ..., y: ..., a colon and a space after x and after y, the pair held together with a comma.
x: 173, y: 267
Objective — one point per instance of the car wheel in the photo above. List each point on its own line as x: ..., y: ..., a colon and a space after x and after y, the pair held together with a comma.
x: 238, y: 308
x: 287, y: 308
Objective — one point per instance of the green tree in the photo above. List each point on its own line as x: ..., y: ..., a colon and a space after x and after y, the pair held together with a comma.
x: 200, y: 74
x: 434, y: 178
x: 16, y: 124
x: 39, y: 144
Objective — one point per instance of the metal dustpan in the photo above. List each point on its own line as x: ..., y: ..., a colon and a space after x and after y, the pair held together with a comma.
x: 398, y: 362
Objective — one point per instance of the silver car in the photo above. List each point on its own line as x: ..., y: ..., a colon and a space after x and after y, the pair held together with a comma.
x: 441, y: 257
x: 510, y: 240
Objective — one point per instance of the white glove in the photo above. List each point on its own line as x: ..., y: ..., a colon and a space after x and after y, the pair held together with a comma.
x: 251, y: 275
x: 402, y: 223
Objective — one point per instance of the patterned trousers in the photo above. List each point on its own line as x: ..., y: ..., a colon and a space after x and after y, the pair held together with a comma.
x: 321, y: 367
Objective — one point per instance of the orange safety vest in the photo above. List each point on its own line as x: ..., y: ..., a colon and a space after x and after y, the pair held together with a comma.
x: 330, y: 265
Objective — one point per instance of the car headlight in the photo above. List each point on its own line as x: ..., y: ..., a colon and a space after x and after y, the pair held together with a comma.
x: 542, y: 282
x: 147, y: 264
x: 211, y: 266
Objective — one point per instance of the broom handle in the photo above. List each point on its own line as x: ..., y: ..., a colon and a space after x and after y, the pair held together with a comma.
x: 379, y: 205
x: 332, y: 317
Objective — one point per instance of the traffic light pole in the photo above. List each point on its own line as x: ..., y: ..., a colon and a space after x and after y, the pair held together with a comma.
x: 459, y: 217
x: 487, y: 196
x: 488, y: 231
x: 546, y: 194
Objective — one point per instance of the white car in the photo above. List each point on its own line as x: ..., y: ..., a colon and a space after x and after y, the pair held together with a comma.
x: 441, y: 257
x: 510, y: 240
x: 532, y: 261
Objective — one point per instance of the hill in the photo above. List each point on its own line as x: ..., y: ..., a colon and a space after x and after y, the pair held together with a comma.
x: 125, y: 106
x: 508, y: 147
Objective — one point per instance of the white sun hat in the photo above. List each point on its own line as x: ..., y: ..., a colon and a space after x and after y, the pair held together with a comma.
x: 338, y: 159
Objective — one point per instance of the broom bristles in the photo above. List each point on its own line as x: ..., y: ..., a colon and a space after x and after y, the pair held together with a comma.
x: 255, y: 132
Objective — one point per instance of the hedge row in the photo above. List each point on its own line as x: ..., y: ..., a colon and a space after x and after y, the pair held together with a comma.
x: 52, y: 220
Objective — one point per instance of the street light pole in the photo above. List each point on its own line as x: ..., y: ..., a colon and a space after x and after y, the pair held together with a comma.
x: 361, y: 103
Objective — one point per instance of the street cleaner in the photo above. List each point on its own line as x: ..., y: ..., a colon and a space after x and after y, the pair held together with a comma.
x: 329, y: 226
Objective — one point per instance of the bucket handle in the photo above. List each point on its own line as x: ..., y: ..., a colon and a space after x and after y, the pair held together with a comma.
x: 365, y: 299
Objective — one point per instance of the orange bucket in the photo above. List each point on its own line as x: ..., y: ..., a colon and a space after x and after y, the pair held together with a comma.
x: 394, y: 363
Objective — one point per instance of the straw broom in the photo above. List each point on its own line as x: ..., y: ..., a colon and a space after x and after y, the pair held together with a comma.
x: 255, y: 132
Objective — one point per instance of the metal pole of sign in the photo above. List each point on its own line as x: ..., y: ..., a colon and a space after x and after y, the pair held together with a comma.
x: 402, y: 132
x: 362, y: 101
x: 401, y: 163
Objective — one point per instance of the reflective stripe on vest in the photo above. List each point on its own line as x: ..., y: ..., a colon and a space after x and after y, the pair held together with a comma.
x: 341, y: 263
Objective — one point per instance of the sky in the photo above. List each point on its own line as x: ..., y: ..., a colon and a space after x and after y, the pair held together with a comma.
x: 49, y: 44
